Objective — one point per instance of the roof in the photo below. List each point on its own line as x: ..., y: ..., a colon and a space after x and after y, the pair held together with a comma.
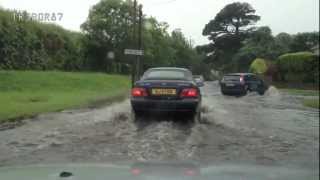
x: 169, y: 68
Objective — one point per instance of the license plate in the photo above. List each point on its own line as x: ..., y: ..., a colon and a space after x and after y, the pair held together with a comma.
x: 160, y: 92
x: 229, y: 84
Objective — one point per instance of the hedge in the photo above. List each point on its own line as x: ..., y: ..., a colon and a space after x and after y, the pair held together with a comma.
x: 31, y: 45
x: 299, y: 67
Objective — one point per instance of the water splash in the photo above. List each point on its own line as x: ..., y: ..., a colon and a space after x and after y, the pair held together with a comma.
x: 272, y: 92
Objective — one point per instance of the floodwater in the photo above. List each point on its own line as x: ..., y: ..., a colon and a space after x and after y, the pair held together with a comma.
x: 274, y: 129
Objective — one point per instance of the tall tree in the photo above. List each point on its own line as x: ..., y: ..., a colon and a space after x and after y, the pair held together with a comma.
x: 185, y: 54
x: 232, y: 19
x: 283, y: 42
x: 259, y: 44
x: 227, y: 30
x: 108, y: 29
x: 156, y: 44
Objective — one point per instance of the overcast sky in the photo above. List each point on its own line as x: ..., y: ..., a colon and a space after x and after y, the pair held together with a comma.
x: 190, y: 16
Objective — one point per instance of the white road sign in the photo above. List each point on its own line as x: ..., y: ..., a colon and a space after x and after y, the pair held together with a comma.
x: 133, y: 52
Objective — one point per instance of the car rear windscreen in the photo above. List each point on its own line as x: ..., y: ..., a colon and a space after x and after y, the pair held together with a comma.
x: 231, y: 78
x: 167, y: 74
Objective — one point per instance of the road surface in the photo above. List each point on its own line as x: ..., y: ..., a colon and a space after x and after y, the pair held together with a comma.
x: 273, y: 129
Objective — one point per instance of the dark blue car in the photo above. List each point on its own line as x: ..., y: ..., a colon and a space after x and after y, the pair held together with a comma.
x: 241, y: 84
x: 166, y: 90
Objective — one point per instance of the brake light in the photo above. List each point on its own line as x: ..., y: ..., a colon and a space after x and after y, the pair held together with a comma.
x: 190, y: 92
x: 190, y: 172
x: 139, y: 92
x: 136, y: 171
x: 241, y: 79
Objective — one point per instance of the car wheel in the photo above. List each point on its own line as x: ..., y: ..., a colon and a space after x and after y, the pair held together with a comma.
x: 136, y: 115
x: 197, y: 117
x: 244, y: 93
x: 261, y: 92
x: 246, y: 90
x: 241, y: 93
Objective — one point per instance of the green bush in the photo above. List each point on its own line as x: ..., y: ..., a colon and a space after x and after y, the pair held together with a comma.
x: 26, y: 45
x: 258, y: 66
x: 299, y: 67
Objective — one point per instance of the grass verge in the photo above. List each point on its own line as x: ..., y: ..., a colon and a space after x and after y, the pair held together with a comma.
x: 299, y: 86
x: 311, y: 98
x: 301, y: 92
x: 27, y: 93
x: 313, y: 103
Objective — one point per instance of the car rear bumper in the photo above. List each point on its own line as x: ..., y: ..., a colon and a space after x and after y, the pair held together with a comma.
x: 185, y: 105
x: 233, y: 90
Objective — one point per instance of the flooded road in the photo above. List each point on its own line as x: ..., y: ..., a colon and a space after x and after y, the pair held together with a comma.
x: 274, y: 129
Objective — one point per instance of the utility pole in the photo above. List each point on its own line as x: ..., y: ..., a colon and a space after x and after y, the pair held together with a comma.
x: 139, y: 63
x: 136, y: 44
x: 133, y: 65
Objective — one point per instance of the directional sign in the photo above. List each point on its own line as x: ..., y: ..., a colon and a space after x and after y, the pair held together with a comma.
x: 133, y: 52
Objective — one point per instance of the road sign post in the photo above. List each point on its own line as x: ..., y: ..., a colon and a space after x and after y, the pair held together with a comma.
x: 135, y: 69
x: 136, y: 43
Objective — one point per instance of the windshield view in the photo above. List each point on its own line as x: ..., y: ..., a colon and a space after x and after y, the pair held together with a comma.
x: 159, y: 89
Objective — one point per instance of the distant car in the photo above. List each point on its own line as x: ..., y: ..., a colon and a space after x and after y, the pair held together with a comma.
x: 241, y: 83
x: 199, y: 79
x: 166, y: 90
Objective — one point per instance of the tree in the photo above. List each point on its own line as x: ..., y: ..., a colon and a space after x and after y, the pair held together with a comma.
x: 226, y: 31
x: 108, y: 29
x: 260, y: 43
x: 185, y: 54
x: 156, y: 44
x: 232, y: 19
x: 304, y: 41
x: 26, y: 45
x: 258, y: 66
x: 283, y: 42
x: 164, y: 49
